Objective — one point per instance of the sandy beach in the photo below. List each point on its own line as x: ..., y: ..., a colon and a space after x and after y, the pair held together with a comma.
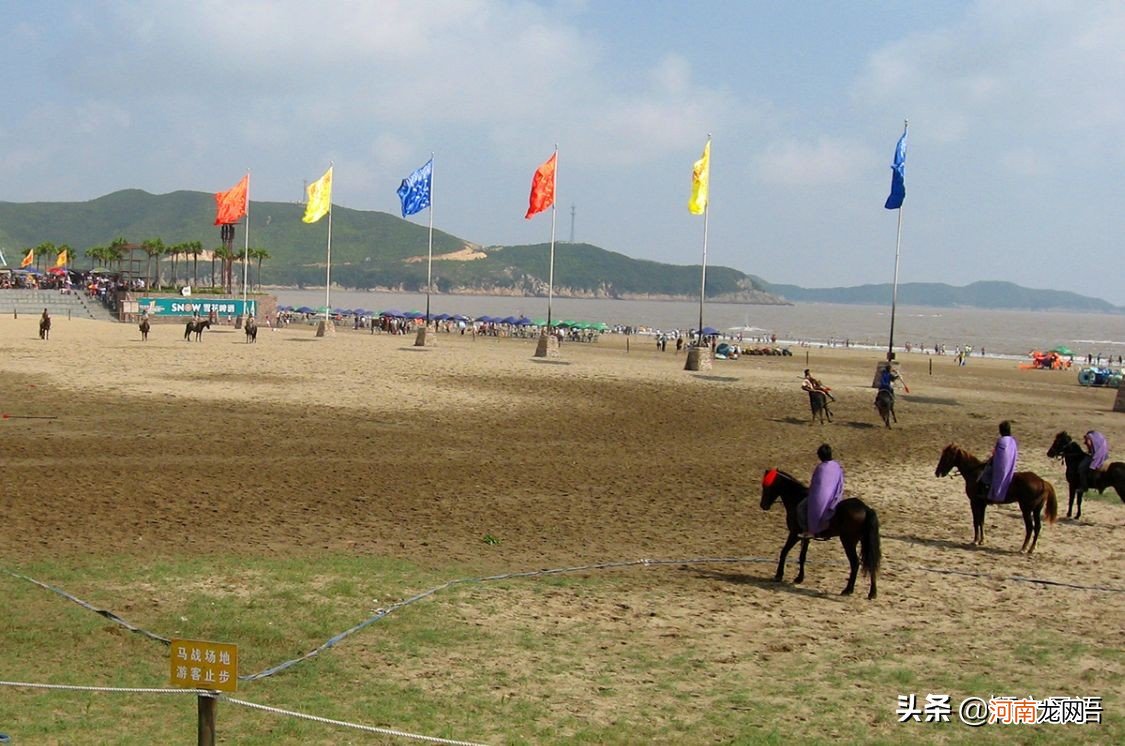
x: 366, y: 444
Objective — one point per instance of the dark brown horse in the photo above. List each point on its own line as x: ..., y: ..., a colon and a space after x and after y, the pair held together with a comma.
x: 853, y: 522
x: 818, y: 403
x: 1032, y: 492
x: 196, y: 327
x: 144, y: 326
x: 1071, y: 453
x: 885, y: 405
x: 251, y: 330
x: 44, y: 326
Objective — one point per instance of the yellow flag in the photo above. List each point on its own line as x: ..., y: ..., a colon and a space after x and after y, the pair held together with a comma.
x: 700, y: 181
x: 61, y: 261
x: 27, y: 260
x: 320, y: 198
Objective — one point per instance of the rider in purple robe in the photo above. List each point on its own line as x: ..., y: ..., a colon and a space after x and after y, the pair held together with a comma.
x: 1098, y: 448
x: 997, y: 473
x: 826, y: 489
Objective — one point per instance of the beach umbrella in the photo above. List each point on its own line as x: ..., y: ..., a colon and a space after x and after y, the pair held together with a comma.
x: 441, y: 317
x: 709, y: 331
x: 486, y: 319
x: 391, y: 312
x: 524, y: 321
x: 601, y: 326
x: 1062, y: 350
x: 305, y: 309
x: 509, y: 320
x: 540, y: 322
x: 459, y: 317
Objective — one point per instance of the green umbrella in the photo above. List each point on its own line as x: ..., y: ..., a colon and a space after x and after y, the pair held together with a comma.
x: 601, y: 326
x: 1062, y: 350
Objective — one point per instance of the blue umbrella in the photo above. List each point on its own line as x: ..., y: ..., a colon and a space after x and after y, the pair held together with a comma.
x: 486, y: 319
x: 709, y: 331
x: 459, y: 317
x: 440, y: 317
x: 392, y: 312
x: 306, y: 309
x: 509, y: 320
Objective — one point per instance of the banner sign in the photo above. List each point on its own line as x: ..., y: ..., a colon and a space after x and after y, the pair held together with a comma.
x: 196, y: 306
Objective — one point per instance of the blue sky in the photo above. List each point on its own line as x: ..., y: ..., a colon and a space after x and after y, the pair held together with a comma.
x: 1017, y: 122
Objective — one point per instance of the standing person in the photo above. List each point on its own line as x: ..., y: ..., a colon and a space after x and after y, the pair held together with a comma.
x: 1097, y: 448
x: 1001, y: 465
x: 826, y: 489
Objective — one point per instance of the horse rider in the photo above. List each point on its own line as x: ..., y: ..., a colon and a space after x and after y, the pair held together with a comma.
x: 1097, y: 449
x: 811, y: 384
x: 887, y: 381
x: 996, y: 476
x: 826, y: 489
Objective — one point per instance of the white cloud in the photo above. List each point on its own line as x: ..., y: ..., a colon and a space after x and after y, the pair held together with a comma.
x: 824, y: 162
x: 1053, y: 69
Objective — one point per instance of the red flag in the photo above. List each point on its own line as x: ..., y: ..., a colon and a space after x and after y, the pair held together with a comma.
x: 542, y: 188
x: 232, y: 204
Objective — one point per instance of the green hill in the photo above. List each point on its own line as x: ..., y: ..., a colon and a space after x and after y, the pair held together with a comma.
x: 369, y: 250
x: 376, y: 250
x: 989, y: 294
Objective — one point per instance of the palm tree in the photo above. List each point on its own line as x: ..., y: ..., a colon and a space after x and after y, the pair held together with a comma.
x: 259, y: 254
x: 153, y: 247
x: 228, y: 258
x: 96, y: 253
x: 116, y: 251
x: 214, y: 255
x: 195, y: 248
x: 174, y: 251
x: 44, y: 249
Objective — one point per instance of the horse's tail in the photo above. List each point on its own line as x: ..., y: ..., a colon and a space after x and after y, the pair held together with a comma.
x: 1052, y: 508
x: 870, y: 553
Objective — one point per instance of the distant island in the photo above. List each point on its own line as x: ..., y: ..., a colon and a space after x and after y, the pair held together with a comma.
x: 379, y: 251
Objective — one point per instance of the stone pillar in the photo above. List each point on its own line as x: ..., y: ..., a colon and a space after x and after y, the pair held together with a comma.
x: 325, y: 329
x: 1119, y: 402
x: 548, y: 346
x: 698, y: 358
x: 425, y: 337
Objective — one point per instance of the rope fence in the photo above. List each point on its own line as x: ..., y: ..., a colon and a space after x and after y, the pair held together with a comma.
x: 243, y: 703
x: 384, y: 612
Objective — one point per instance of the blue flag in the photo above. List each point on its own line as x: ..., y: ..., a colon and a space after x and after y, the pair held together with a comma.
x: 415, y: 189
x: 898, y: 176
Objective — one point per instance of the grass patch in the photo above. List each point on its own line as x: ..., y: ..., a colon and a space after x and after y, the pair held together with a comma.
x: 589, y: 658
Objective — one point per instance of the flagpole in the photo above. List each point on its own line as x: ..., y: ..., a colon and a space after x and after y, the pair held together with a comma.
x: 894, y: 289
x: 554, y: 213
x: 703, y: 273
x: 328, y: 268
x: 246, y: 246
x: 430, y: 254
x: 894, y: 286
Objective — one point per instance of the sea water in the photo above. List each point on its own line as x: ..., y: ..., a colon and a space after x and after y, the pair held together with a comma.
x: 996, y: 332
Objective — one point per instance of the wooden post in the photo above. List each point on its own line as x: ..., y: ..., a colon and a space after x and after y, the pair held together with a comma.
x: 1119, y: 402
x: 931, y: 366
x: 207, y: 707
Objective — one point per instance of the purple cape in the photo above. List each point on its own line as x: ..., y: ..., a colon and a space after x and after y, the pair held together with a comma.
x: 825, y: 490
x: 1101, y: 449
x: 1003, y: 467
